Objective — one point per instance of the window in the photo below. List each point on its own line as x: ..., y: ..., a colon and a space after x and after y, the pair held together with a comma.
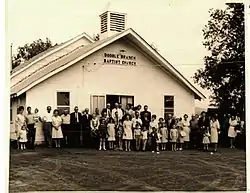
x: 168, y: 105
x: 97, y: 101
x: 126, y: 100
x: 63, y: 101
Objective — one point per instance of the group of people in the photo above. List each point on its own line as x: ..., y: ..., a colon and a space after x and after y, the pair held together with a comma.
x: 128, y: 129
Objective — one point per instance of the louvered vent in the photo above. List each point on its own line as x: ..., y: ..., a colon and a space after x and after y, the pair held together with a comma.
x: 117, y: 22
x: 104, y: 22
x: 111, y: 23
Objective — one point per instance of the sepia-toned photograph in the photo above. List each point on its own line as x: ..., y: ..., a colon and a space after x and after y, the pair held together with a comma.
x: 118, y: 95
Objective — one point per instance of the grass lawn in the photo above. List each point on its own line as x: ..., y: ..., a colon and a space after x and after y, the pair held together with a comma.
x: 80, y: 169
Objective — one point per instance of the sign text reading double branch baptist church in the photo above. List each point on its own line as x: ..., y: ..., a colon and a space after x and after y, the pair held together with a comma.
x: 119, y: 59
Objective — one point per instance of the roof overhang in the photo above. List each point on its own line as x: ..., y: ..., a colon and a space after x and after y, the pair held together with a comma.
x: 83, y: 35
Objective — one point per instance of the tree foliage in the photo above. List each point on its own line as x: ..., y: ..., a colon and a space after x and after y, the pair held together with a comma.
x: 224, y: 72
x: 30, y: 50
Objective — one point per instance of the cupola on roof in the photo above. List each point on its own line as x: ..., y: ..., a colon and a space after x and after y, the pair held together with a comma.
x: 112, y: 22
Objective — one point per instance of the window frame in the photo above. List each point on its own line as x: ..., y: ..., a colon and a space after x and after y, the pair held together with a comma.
x: 168, y: 110
x: 127, y: 96
x: 63, y: 106
x: 92, y: 108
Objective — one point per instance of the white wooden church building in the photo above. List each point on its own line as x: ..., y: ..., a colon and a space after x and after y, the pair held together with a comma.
x: 119, y: 67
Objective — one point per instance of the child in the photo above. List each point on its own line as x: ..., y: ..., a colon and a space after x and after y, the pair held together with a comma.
x: 111, y: 133
x: 164, y: 136
x: 137, y: 136
x: 155, y: 140
x: 120, y: 131
x: 144, y: 138
x: 152, y: 124
x: 102, y: 130
x: 181, y: 134
x: 20, y: 129
x: 206, y: 140
x: 173, y: 137
x: 158, y: 140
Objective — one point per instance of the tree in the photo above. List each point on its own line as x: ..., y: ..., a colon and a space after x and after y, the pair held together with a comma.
x: 224, y: 72
x: 30, y: 50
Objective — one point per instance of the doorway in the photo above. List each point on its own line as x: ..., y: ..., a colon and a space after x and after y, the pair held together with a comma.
x: 112, y: 99
x: 122, y: 99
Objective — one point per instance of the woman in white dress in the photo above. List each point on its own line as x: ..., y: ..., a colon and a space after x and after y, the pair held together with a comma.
x: 128, y: 134
x: 111, y: 133
x: 214, y: 130
x: 21, y: 129
x: 56, y: 128
x: 39, y: 138
x: 232, y: 131
x: 186, y: 129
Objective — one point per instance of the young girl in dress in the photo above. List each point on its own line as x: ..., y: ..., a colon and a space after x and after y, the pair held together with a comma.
x: 111, y: 133
x: 102, y: 131
x: 181, y: 134
x: 21, y: 129
x: 164, y: 136
x: 56, y: 128
x: 173, y: 137
x: 144, y: 137
x: 128, y: 134
x: 137, y: 136
x: 206, y: 140
x: 120, y: 132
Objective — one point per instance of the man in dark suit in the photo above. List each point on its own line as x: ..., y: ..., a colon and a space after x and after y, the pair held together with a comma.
x: 107, y: 110
x: 145, y: 114
x: 75, y: 122
x: 170, y: 122
x: 86, y: 130
x: 203, y: 124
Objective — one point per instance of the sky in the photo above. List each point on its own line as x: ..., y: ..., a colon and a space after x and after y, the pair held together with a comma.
x: 173, y: 26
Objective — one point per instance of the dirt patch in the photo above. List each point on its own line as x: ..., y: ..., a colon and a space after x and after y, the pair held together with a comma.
x: 91, y: 170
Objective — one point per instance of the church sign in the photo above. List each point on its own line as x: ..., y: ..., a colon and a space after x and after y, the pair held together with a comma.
x: 119, y: 59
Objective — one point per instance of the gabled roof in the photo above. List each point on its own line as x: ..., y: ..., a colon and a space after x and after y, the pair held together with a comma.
x: 48, y: 52
x: 80, y: 53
